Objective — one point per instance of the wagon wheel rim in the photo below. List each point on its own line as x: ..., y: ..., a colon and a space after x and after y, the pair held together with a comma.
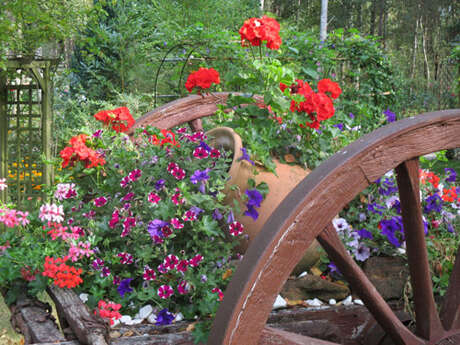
x: 281, y: 243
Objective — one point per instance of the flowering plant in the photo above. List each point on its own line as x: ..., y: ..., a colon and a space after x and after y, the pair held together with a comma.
x: 372, y: 225
x: 152, y: 218
x: 287, y: 122
x: 146, y: 225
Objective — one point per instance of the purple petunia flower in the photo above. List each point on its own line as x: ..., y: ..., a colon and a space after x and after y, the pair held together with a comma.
x: 387, y: 187
x: 362, y: 253
x: 251, y: 212
x: 433, y: 203
x: 196, y: 210
x: 230, y: 217
x: 199, y: 175
x: 339, y: 126
x: 154, y: 228
x: 363, y: 233
x: 245, y: 156
x: 351, y: 115
x: 164, y: 317
x: 124, y: 287
x: 159, y: 184
x: 391, y: 117
x: 389, y: 227
x: 205, y: 146
x: 254, y: 197
x: 451, y: 173
x: 216, y: 214
x: 374, y: 208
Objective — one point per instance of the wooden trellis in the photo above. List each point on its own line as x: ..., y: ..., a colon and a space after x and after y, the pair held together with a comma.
x: 25, y: 128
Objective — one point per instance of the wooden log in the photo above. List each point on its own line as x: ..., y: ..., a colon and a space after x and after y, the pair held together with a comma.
x: 88, y: 328
x: 33, y: 319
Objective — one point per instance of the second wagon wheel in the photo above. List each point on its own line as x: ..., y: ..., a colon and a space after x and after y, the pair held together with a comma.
x: 306, y: 214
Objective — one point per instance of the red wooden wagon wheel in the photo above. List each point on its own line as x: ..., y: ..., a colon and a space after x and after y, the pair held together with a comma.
x: 306, y: 214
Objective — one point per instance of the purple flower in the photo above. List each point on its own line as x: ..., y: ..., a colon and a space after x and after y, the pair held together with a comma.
x: 351, y: 115
x: 451, y: 173
x: 154, y: 228
x: 389, y: 227
x: 450, y: 228
x: 362, y: 253
x: 251, y: 212
x: 374, y: 208
x: 339, y: 126
x: 105, y: 271
x: 98, y: 133
x: 391, y: 117
x: 254, y: 197
x: 124, y: 287
x: 433, y: 203
x: 216, y: 214
x: 387, y: 187
x: 159, y: 184
x: 363, y: 233
x: 199, y: 175
x: 196, y: 210
x: 245, y: 156
x: 333, y: 268
x: 205, y: 146
x: 164, y: 317
x: 230, y: 217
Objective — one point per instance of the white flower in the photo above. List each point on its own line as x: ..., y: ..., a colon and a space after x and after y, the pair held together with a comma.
x: 3, y: 184
x: 51, y: 213
x: 340, y: 224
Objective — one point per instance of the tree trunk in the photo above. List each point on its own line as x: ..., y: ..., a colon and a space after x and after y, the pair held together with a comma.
x: 414, y: 50
x: 359, y: 16
x: 373, y: 10
x: 262, y: 3
x: 323, y: 26
x: 425, y: 57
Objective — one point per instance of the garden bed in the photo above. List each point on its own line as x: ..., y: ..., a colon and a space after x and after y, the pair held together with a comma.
x: 344, y: 324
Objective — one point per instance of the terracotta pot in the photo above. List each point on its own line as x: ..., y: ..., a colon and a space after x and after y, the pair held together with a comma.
x: 279, y: 187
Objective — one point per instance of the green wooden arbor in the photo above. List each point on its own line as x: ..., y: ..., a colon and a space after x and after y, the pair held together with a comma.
x: 25, y: 128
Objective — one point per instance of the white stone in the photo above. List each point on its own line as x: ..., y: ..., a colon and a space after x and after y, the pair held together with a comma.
x: 145, y: 311
x: 332, y: 301
x: 136, y: 321
x: 179, y: 317
x: 358, y: 301
x: 314, y: 302
x: 115, y: 323
x: 126, y: 319
x: 347, y: 301
x: 84, y: 297
x: 401, y: 250
x: 279, y: 303
x: 152, y: 318
x: 303, y: 274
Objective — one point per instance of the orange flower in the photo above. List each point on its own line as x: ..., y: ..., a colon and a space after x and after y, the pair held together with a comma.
x: 449, y: 195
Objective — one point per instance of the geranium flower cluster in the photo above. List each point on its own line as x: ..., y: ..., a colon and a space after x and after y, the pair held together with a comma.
x: 202, y: 79
x: 62, y: 274
x: 317, y: 105
x: 108, y: 310
x: 12, y: 218
x: 258, y: 30
x: 78, y: 151
x: 120, y: 119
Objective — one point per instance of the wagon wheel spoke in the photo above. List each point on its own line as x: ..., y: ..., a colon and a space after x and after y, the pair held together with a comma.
x: 359, y: 282
x: 450, y: 312
x: 274, y: 336
x: 428, y: 323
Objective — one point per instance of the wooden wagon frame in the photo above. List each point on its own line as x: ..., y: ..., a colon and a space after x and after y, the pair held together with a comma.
x: 303, y: 216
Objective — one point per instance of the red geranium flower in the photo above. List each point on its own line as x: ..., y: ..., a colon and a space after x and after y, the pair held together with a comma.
x: 78, y: 151
x: 329, y: 87
x: 120, y: 119
x: 256, y: 30
x: 202, y: 79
